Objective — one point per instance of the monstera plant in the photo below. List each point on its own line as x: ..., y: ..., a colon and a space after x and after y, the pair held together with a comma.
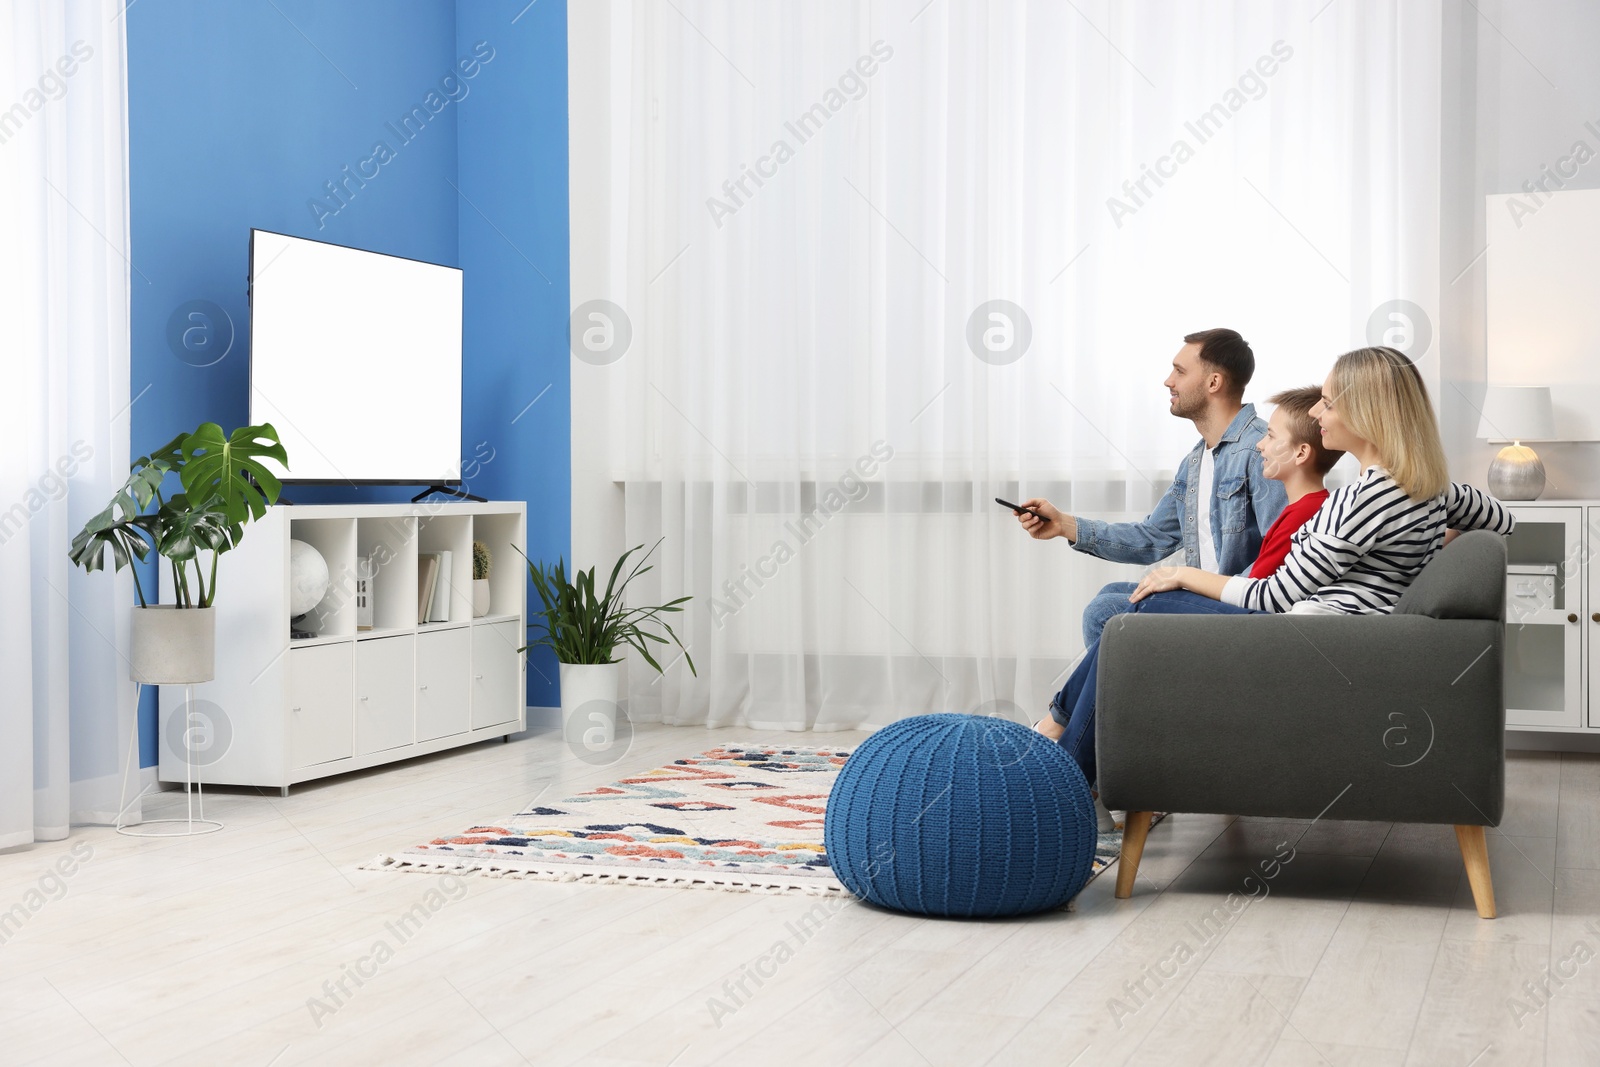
x: 224, y: 484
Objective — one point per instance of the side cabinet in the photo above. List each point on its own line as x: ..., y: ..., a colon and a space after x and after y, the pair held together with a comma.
x: 393, y: 662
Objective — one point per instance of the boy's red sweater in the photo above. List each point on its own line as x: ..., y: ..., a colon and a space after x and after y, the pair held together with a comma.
x: 1275, y: 546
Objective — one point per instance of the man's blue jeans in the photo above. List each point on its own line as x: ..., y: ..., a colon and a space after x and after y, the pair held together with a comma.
x: 1074, y: 708
x: 1111, y: 601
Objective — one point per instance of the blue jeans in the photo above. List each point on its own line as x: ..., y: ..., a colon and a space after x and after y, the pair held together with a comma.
x: 1112, y: 600
x: 1074, y: 708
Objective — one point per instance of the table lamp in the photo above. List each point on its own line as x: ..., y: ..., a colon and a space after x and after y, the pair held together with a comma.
x: 1517, y: 414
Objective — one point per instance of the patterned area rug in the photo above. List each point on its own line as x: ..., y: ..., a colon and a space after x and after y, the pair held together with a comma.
x: 746, y: 818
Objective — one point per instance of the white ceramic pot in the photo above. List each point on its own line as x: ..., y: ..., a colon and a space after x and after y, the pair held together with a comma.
x: 480, y: 597
x: 173, y: 645
x: 589, y: 694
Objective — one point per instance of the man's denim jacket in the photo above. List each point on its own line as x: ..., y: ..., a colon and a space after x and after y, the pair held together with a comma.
x: 1245, y: 504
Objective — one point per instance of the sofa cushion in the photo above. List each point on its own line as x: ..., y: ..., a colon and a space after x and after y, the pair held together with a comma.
x: 1467, y: 580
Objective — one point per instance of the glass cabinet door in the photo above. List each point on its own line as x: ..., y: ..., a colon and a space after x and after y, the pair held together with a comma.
x: 1544, y: 621
x: 1591, y: 610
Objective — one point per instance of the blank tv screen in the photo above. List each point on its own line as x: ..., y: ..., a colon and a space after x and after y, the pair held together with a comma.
x: 355, y: 358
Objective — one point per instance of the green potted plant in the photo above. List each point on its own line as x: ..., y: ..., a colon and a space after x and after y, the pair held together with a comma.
x: 224, y: 486
x: 481, y: 562
x: 587, y: 631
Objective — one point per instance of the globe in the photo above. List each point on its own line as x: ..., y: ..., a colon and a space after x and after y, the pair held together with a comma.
x: 308, y: 578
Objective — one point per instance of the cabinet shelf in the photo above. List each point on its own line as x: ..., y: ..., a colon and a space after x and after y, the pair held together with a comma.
x: 382, y: 631
x: 320, y: 639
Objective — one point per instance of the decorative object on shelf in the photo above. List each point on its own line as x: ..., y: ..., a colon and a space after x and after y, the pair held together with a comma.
x: 439, y: 603
x: 583, y: 629
x: 1010, y: 831
x: 1530, y: 588
x: 366, y: 575
x: 225, y: 485
x: 427, y: 578
x: 308, y: 584
x: 481, y: 562
x: 1516, y: 414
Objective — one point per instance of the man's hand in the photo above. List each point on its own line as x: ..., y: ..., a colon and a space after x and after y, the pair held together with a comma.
x: 1053, y: 524
x: 1160, y: 580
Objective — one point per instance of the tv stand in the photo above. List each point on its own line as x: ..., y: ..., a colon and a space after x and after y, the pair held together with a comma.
x: 285, y: 709
x: 447, y: 490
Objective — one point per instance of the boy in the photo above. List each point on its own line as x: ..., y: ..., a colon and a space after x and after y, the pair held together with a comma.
x: 1292, y: 453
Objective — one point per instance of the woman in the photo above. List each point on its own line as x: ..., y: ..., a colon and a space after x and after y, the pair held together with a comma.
x: 1361, y: 549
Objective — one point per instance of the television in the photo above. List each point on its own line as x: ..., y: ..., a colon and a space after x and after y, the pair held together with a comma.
x: 355, y: 359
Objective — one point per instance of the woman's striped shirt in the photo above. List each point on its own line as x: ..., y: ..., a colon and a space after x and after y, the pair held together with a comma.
x: 1364, y: 546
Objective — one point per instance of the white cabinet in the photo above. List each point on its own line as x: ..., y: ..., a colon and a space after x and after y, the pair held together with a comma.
x: 1549, y: 646
x: 291, y: 709
x: 496, y: 671
x: 444, y: 663
x: 321, y: 688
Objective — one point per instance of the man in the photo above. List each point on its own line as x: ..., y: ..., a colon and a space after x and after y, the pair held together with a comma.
x: 1219, y: 506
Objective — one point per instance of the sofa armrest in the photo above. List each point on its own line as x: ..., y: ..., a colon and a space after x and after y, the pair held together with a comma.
x: 1278, y: 714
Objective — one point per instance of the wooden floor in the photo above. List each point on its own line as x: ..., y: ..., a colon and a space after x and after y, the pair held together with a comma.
x: 1363, y: 949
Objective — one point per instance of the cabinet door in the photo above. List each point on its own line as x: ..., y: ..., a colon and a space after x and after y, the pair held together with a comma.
x: 1544, y: 643
x: 385, y: 691
x: 444, y: 698
x: 322, y: 684
x: 497, y: 689
x: 1591, y: 610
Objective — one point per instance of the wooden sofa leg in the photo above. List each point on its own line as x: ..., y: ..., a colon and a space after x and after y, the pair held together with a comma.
x: 1475, y: 854
x: 1133, y: 835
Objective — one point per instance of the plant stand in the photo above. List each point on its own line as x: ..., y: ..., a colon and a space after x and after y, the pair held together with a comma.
x: 192, y: 827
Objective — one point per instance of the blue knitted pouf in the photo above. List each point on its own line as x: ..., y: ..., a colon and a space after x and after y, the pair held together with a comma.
x: 961, y: 815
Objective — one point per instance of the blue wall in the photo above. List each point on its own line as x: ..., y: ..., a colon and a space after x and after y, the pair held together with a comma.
x: 241, y: 113
x: 514, y: 241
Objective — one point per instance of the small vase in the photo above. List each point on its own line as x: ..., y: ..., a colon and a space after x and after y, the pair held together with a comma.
x: 589, y: 702
x: 480, y: 597
x: 172, y: 645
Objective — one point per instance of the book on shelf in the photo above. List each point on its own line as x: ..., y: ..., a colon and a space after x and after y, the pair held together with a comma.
x: 427, y: 577
x: 439, y: 606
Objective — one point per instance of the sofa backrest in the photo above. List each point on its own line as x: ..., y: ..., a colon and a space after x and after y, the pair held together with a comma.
x: 1467, y: 580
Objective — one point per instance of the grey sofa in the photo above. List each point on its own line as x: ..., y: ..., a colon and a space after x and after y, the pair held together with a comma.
x: 1395, y: 718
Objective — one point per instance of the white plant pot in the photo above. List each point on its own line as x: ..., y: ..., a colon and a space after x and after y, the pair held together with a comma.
x: 480, y: 597
x: 589, y: 694
x: 172, y: 645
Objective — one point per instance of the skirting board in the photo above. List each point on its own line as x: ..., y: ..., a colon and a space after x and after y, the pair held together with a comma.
x: 541, y: 719
x: 1551, y: 741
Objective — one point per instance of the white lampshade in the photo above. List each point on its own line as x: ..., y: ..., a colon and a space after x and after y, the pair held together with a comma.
x: 1517, y: 413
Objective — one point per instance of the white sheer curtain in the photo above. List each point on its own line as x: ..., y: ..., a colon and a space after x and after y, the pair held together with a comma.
x: 804, y: 296
x: 66, y: 706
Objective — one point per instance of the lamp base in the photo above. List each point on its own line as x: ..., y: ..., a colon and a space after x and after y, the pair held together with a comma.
x: 1517, y: 473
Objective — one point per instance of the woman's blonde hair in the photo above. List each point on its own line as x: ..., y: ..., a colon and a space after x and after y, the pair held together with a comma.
x: 1380, y: 396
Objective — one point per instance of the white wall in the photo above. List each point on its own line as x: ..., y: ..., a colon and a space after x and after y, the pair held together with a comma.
x: 1517, y: 95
